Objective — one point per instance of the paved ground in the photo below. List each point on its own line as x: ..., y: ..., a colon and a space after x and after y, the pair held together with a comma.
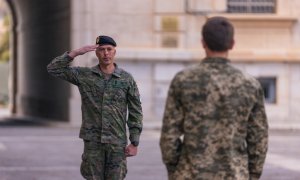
x: 30, y: 151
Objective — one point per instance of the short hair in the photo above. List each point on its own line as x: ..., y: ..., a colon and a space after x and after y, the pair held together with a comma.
x: 218, y: 34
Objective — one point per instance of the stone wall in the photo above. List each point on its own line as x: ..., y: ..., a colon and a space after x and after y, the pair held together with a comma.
x: 157, y: 38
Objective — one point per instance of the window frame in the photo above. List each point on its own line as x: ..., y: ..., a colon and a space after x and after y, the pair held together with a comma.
x: 269, y: 85
x: 250, y: 4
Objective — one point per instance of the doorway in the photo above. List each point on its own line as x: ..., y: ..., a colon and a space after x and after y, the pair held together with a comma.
x: 5, y: 59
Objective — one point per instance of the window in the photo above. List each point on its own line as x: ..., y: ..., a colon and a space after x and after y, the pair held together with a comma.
x: 269, y: 86
x: 251, y: 6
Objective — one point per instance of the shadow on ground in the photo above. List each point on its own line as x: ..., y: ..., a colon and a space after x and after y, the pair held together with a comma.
x: 27, y: 122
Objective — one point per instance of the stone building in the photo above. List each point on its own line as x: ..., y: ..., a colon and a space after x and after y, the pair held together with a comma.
x: 156, y: 39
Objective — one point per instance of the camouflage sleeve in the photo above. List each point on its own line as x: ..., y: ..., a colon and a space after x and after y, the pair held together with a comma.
x: 135, y: 114
x: 257, y: 137
x: 60, y: 68
x: 172, y: 128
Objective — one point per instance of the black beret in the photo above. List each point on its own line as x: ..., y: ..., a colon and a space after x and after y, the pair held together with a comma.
x: 102, y: 40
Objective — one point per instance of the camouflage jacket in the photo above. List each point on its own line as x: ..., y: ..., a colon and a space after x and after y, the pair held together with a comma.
x: 104, y: 102
x: 214, y: 125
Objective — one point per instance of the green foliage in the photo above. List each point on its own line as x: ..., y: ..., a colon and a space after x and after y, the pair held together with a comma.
x: 4, y: 41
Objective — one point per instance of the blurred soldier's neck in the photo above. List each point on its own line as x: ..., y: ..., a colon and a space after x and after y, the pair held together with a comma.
x: 220, y: 54
x: 212, y: 54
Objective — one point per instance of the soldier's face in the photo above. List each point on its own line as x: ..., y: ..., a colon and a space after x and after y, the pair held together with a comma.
x: 106, y: 54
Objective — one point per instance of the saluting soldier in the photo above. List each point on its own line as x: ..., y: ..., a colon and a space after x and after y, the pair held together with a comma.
x: 214, y: 126
x: 107, y: 92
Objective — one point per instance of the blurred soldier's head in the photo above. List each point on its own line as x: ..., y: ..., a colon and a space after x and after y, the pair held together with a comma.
x: 217, y: 34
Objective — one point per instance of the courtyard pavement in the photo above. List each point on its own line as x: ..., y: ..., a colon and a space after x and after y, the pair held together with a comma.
x: 39, y: 151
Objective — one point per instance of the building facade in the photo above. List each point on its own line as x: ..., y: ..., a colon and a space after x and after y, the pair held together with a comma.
x: 158, y: 38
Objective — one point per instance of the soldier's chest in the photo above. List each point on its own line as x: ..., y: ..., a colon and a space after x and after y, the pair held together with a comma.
x: 99, y: 86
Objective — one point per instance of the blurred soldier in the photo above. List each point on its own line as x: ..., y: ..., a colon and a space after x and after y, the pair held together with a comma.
x: 214, y: 125
x: 106, y: 93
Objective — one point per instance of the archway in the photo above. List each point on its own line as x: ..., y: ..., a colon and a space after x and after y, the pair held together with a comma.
x: 4, y: 58
x: 40, y: 30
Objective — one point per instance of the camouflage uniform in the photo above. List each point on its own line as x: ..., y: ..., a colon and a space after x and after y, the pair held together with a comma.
x: 214, y: 126
x: 104, y: 113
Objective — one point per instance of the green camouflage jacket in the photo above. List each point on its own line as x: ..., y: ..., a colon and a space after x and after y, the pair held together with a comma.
x: 214, y: 125
x: 104, y: 102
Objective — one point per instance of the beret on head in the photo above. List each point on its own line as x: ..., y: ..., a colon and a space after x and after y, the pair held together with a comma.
x: 105, y: 40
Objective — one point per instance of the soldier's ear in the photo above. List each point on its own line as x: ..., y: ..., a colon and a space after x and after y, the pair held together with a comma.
x: 203, y: 43
x: 232, y: 44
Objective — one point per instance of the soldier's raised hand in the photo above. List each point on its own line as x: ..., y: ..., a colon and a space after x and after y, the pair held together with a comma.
x: 82, y: 50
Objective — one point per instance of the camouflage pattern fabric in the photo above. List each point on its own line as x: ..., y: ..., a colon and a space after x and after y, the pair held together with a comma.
x: 214, y: 125
x: 103, y: 161
x: 104, y: 101
x: 105, y: 106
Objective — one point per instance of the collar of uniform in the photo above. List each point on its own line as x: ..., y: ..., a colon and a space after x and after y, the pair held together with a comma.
x: 116, y: 73
x: 215, y: 60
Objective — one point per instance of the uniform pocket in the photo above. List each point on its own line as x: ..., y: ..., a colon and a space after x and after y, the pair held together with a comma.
x: 119, y: 95
x: 85, y: 167
x: 117, y: 165
x: 85, y: 92
x: 92, y: 166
